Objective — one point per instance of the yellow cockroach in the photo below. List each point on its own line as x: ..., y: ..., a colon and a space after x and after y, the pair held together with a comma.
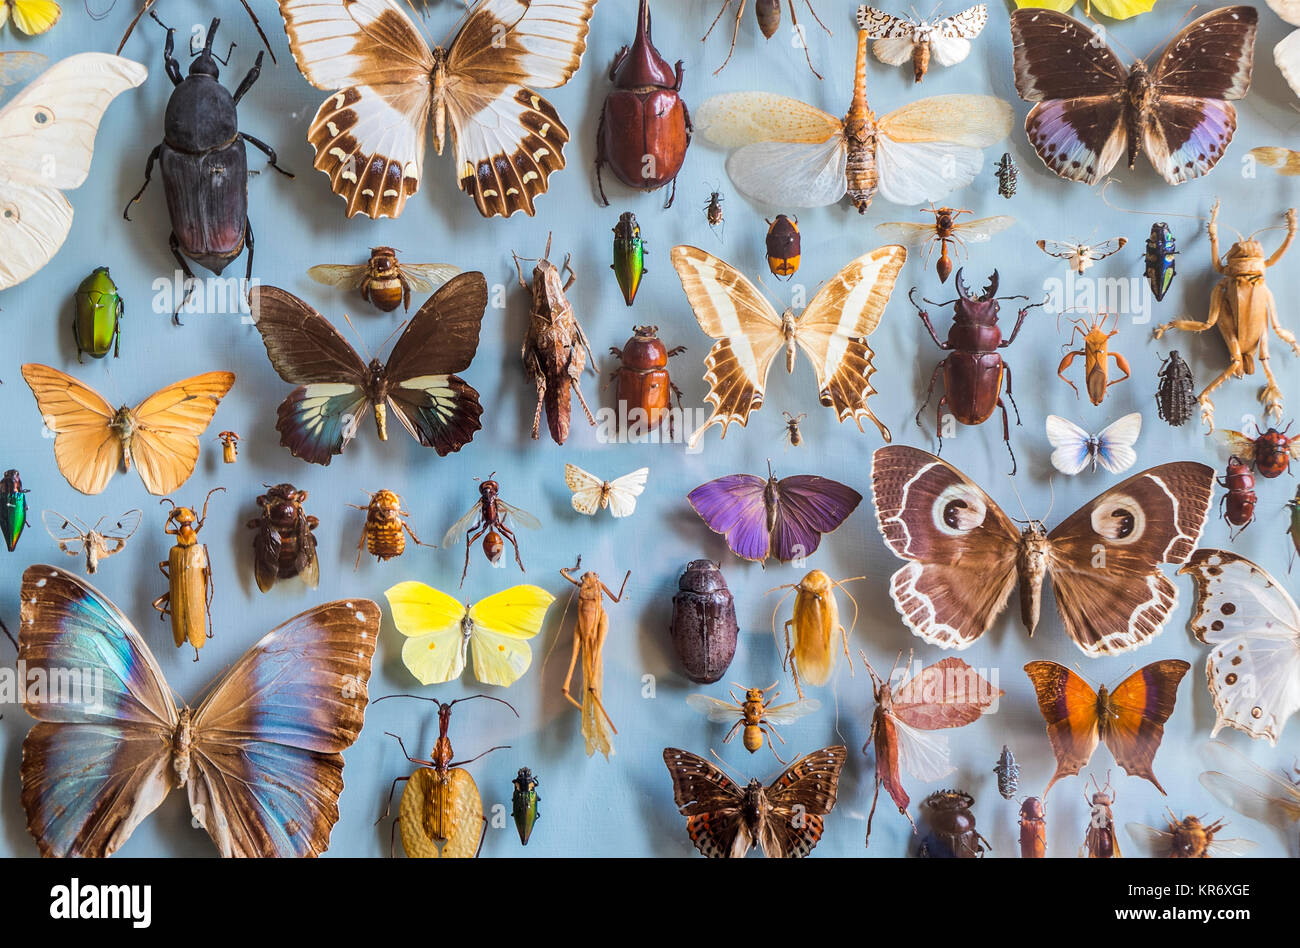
x: 816, y: 620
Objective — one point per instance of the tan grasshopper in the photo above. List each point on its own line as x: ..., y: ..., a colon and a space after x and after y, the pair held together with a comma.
x: 589, y: 640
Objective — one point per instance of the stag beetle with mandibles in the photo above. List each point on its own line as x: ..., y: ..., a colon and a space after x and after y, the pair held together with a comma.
x: 204, y: 164
x: 974, y: 372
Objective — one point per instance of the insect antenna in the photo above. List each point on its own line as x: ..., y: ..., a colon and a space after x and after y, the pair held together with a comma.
x: 1177, y: 26
x: 724, y: 767
x: 8, y: 634
x: 97, y: 16
x: 205, y: 503
x: 1127, y: 210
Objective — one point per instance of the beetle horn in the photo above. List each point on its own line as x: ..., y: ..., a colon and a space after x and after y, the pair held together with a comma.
x: 962, y: 289
x: 991, y: 290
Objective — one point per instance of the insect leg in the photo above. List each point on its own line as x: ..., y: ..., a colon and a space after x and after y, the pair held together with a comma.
x: 803, y: 41
x: 1065, y: 364
x: 265, y: 149
x: 1006, y: 435
x: 148, y: 174
x: 190, y: 278
x: 929, y: 392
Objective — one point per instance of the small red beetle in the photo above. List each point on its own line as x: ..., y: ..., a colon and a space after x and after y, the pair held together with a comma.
x: 643, y: 381
x: 1271, y: 451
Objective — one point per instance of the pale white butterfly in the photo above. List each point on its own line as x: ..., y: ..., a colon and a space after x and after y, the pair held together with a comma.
x: 591, y: 493
x: 1287, y: 53
x: 1112, y: 447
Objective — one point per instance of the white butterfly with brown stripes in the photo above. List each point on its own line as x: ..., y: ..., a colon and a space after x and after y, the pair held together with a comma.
x: 393, y: 90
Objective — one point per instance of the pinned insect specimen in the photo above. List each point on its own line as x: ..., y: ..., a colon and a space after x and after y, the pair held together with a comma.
x: 1271, y: 452
x: 949, y: 693
x: 1293, y: 529
x: 284, y: 545
x: 487, y: 519
x: 1033, y: 829
x: 975, y: 374
x: 755, y: 713
x: 1129, y: 720
x: 1282, y: 160
x: 713, y: 210
x: 188, y: 599
x: 1112, y: 447
x: 643, y: 386
x: 525, y: 803
x: 789, y: 154
x: 902, y: 40
x: 1192, y: 837
x: 591, y: 493
x: 94, y: 543
x: 589, y: 631
x: 782, y: 518
x: 1265, y: 796
x: 785, y: 819
x: 793, y: 434
x: 1243, y: 309
x: 1081, y: 257
x: 1176, y: 393
x: 555, y: 350
x: 768, y: 14
x: 815, y: 621
x: 97, y: 315
x: 384, y: 282
x: 1096, y: 356
x: 629, y: 256
x: 1008, y: 175
x: 1237, y: 505
x: 964, y: 555
x: 382, y: 535
x: 703, y: 628
x: 229, y: 446
x: 1159, y: 259
x: 1099, y: 840
x: 946, y: 231
x: 441, y: 812
x: 1253, y: 627
x: 951, y: 820
x: 13, y: 508
x: 784, y: 246
x: 1008, y: 773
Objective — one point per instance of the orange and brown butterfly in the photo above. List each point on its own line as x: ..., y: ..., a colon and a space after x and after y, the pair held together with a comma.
x: 160, y: 435
x: 785, y: 819
x: 394, y: 90
x: 1130, y: 720
x: 965, y: 555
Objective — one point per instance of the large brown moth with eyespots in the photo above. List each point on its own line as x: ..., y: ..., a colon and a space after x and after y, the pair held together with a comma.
x: 965, y: 555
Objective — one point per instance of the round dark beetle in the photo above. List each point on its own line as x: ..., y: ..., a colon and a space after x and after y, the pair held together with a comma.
x: 704, y: 628
x: 952, y: 826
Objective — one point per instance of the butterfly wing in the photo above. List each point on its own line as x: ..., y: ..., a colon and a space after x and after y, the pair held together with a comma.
x: 1286, y: 55
x: 432, y: 621
x: 1189, y: 126
x: 731, y: 310
x: 806, y: 507
x: 711, y: 804
x: 800, y: 799
x: 832, y: 331
x: 99, y: 759
x: 895, y: 36
x: 1069, y: 706
x: 734, y: 507
x: 1104, y: 559
x: 70, y: 535
x: 933, y: 146
x: 587, y: 488
x: 1134, y: 718
x: 624, y: 491
x: 267, y: 765
x: 1072, y: 446
x: 923, y: 754
x: 1115, y: 443
x: 1253, y: 626
x: 34, y: 17
x: 86, y: 448
x: 959, y: 546
x: 503, y: 624
x: 165, y: 444
x: 437, y: 407
x: 1078, y: 124
x: 321, y: 416
x: 1259, y: 794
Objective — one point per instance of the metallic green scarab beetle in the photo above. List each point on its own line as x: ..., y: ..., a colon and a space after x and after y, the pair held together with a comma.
x: 13, y: 508
x: 96, y: 323
x: 629, y: 255
x: 525, y: 803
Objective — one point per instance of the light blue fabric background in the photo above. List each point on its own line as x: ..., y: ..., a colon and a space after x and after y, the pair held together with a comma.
x: 624, y: 807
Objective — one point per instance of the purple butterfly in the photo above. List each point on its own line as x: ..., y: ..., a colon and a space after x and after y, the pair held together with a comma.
x: 762, y: 518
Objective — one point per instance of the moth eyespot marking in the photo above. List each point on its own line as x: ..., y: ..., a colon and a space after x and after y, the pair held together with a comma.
x: 1257, y: 712
x: 958, y: 510
x: 42, y: 115
x: 1121, y: 520
x: 1228, y: 608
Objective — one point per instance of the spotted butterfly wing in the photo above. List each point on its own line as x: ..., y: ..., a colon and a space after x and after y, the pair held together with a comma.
x: 800, y: 799
x: 1088, y: 115
x: 394, y: 91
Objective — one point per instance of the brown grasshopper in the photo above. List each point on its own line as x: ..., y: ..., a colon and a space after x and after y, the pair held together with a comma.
x: 555, y: 350
x: 1243, y: 309
x: 589, y: 639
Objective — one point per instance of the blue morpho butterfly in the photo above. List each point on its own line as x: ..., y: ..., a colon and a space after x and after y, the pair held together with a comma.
x: 260, y: 758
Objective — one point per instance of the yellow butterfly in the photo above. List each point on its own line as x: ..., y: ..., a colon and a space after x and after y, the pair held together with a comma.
x: 33, y: 17
x: 1115, y: 9
x: 439, y: 629
x: 161, y: 434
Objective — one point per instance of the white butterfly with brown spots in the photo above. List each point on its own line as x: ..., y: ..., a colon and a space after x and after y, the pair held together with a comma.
x: 591, y: 493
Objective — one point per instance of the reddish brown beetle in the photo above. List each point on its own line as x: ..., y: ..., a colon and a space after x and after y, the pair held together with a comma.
x: 643, y: 381
x: 973, y: 374
x: 1271, y: 452
x: 1033, y: 829
x: 645, y: 127
x: 1237, y: 506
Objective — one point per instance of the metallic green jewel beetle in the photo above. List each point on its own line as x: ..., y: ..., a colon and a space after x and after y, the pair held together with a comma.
x: 525, y: 800
x: 13, y: 508
x: 97, y: 321
x: 1293, y: 530
x: 629, y: 255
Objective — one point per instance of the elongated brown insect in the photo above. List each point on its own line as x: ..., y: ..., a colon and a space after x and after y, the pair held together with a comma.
x: 589, y: 640
x: 189, y: 577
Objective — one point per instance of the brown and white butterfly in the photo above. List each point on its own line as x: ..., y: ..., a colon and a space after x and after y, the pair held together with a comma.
x: 369, y: 136
x: 832, y: 331
x: 964, y: 555
x: 899, y: 40
x: 785, y: 819
x: 1091, y: 110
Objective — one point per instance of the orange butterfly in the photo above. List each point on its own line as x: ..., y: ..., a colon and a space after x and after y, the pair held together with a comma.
x: 161, y: 434
x: 1131, y: 719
